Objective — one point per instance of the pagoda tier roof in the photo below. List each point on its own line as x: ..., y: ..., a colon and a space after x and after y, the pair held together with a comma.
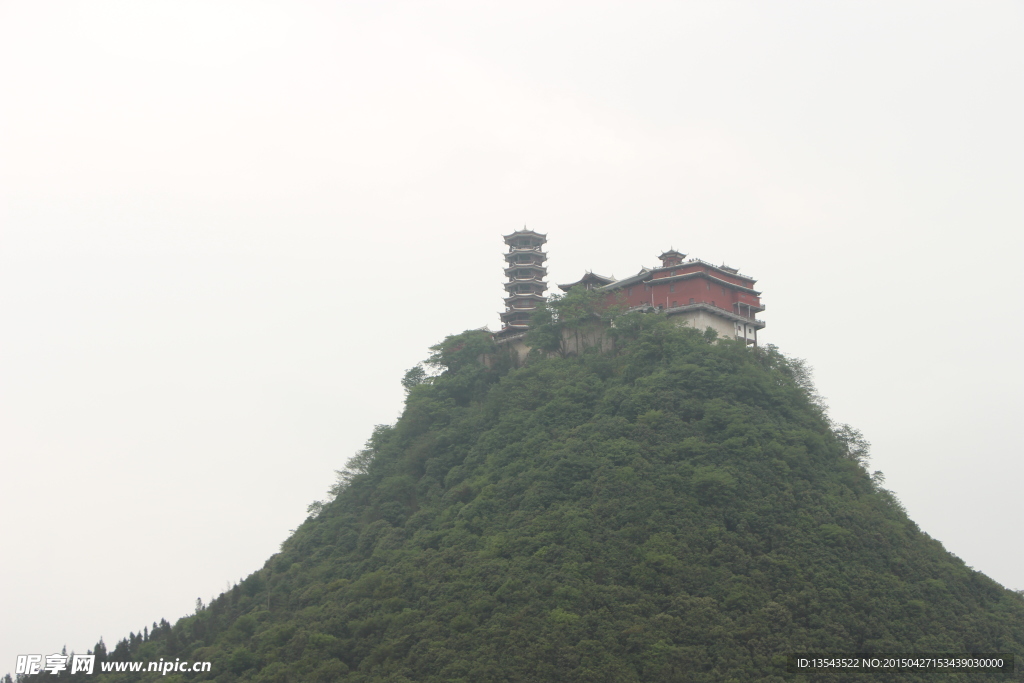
x: 509, y: 334
x: 524, y: 233
x: 512, y: 294
x: 588, y: 277
x: 532, y: 297
x: 531, y: 251
x: 539, y: 272
x: 525, y: 281
x: 519, y: 251
x: 519, y: 314
x: 539, y: 291
x: 537, y: 249
x: 517, y: 266
x: 672, y: 252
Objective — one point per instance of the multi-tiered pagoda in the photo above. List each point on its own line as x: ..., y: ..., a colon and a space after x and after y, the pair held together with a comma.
x: 693, y: 292
x: 526, y: 272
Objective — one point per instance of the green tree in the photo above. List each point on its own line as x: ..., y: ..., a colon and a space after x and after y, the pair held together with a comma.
x: 459, y: 351
x: 572, y: 322
x: 415, y: 376
x: 677, y: 509
x: 855, y: 446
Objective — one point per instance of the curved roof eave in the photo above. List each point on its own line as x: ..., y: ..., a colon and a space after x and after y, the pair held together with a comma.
x: 525, y: 232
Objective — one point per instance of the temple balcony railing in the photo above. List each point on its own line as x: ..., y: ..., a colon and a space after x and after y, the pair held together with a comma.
x: 708, y: 306
x: 748, y: 314
x: 537, y: 278
x: 528, y: 296
x: 509, y: 270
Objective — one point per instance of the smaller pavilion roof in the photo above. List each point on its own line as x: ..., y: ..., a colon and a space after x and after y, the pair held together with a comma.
x: 589, y: 278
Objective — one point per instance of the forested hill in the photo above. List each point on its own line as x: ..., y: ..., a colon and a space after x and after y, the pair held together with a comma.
x: 678, y: 510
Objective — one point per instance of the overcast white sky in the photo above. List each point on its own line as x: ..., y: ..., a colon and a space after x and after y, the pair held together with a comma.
x: 228, y: 228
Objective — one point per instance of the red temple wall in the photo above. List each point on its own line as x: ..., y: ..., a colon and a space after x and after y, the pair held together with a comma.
x: 699, y: 267
x: 698, y: 289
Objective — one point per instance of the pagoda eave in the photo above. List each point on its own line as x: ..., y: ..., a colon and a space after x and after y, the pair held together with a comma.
x: 525, y: 297
x: 525, y: 233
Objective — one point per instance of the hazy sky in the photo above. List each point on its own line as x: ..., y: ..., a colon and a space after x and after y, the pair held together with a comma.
x: 228, y: 228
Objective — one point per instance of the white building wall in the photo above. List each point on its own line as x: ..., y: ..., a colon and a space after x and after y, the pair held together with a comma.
x: 701, y: 320
x: 575, y: 341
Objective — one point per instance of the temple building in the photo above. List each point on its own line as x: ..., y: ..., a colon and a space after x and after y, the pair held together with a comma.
x: 525, y: 286
x: 694, y: 292
x: 700, y: 294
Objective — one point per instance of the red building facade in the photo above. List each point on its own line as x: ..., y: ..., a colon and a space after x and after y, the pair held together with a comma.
x: 695, y: 292
x: 700, y: 293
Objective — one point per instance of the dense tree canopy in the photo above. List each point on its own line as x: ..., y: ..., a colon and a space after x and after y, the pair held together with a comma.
x: 680, y: 509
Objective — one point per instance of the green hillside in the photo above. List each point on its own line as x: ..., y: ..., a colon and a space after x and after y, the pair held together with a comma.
x: 678, y: 510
